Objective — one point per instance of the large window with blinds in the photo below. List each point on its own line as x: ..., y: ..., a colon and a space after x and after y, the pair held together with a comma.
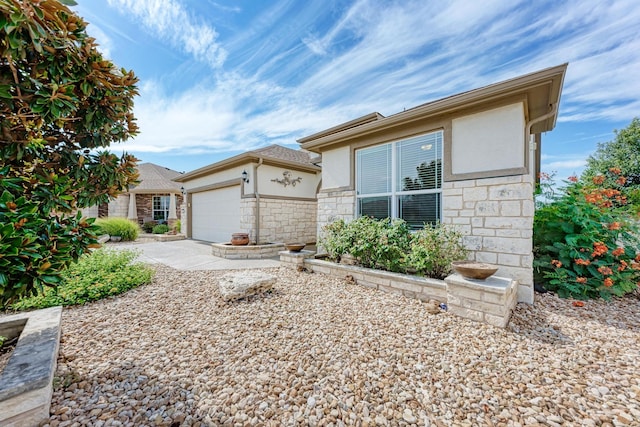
x: 401, y: 179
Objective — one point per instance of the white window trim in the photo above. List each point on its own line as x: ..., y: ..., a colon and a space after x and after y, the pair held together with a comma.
x: 153, y: 206
x: 394, y: 193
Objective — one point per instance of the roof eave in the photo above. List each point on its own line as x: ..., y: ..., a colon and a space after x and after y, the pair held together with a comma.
x: 240, y: 159
x: 550, y: 78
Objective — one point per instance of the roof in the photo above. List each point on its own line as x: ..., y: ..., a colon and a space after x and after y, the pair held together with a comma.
x: 156, y: 179
x: 276, y: 155
x: 542, y: 90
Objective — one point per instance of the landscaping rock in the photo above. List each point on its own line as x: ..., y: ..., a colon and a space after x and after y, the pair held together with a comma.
x: 239, y: 285
x: 322, y: 351
x: 103, y: 239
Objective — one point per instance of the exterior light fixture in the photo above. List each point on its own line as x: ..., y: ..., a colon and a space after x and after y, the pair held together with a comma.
x: 183, y: 191
x: 245, y: 177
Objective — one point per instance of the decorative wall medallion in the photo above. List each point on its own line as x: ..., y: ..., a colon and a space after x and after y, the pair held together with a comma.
x: 286, y: 180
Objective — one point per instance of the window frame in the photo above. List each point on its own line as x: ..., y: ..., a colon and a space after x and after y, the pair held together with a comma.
x: 395, y: 195
x: 164, y: 210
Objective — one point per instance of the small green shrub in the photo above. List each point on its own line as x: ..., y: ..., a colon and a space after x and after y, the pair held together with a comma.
x: 433, y: 249
x: 177, y: 226
x: 390, y: 245
x: 123, y: 227
x: 2, y: 340
x: 586, y: 239
x: 148, y: 226
x: 160, y: 229
x: 94, y: 276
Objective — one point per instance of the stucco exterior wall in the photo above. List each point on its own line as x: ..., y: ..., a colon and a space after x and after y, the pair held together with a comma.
x: 490, y: 140
x: 336, y: 168
x: 496, y: 216
x: 119, y: 207
x: 305, y: 188
x: 221, y: 176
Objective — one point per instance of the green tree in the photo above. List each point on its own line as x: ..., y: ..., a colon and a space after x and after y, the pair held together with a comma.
x: 61, y: 103
x: 623, y: 154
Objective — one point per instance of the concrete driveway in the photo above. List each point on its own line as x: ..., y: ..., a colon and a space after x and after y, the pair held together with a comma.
x: 191, y: 255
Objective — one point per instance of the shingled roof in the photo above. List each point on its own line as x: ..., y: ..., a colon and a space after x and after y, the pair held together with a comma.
x: 156, y: 179
x: 272, y: 154
x: 278, y: 152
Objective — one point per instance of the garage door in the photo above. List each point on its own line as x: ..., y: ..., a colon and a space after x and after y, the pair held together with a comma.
x: 215, y: 214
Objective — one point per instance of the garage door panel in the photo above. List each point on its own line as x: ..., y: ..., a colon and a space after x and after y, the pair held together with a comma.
x: 215, y: 214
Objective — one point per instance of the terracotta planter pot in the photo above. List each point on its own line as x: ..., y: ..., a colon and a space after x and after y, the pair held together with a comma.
x: 240, y: 239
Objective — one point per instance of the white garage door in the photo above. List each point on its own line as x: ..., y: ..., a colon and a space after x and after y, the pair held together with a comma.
x: 215, y: 214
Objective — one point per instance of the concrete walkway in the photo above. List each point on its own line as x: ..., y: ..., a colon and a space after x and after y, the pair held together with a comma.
x: 191, y: 255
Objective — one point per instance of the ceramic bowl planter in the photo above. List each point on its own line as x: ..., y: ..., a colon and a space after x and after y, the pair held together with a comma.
x: 474, y: 270
x: 240, y: 239
x: 294, y: 247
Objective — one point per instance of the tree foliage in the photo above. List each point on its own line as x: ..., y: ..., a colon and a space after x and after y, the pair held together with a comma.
x: 61, y: 104
x: 622, y: 153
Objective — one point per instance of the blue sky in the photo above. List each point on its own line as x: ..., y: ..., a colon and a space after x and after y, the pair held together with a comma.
x: 221, y: 77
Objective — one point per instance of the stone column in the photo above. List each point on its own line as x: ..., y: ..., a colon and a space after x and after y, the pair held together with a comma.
x: 172, y: 207
x: 133, y: 210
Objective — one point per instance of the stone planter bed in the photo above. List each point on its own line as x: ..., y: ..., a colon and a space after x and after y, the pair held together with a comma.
x: 229, y: 251
x: 490, y: 301
x: 26, y: 381
x: 322, y: 351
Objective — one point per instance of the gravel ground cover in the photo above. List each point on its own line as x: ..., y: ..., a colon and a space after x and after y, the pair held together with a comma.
x: 319, y: 351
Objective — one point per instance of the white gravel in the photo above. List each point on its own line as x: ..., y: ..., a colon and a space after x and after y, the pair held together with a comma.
x: 323, y: 352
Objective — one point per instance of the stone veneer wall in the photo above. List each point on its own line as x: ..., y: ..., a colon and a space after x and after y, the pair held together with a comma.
x: 281, y: 220
x: 119, y: 207
x: 496, y: 216
x: 333, y: 205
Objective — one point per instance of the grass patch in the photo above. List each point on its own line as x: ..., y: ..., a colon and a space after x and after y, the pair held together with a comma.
x: 100, y: 274
x: 123, y: 227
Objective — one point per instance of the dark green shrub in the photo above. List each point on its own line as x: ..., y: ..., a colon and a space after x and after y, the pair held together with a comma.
x: 433, y: 249
x: 148, y: 226
x: 160, y: 229
x: 390, y: 245
x: 94, y: 276
x: 61, y: 105
x: 122, y: 227
x: 586, y: 239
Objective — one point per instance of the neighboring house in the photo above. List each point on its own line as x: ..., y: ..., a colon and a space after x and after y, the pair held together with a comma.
x: 269, y: 193
x: 154, y: 198
x: 471, y: 160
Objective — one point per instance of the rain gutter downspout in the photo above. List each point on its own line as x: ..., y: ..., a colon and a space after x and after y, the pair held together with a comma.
x: 532, y: 144
x: 257, y: 194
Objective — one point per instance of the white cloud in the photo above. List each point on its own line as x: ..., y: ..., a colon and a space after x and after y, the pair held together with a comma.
x: 285, y: 78
x: 170, y: 21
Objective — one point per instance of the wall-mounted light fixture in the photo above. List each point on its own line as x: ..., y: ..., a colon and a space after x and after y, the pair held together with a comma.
x: 245, y: 177
x: 183, y: 191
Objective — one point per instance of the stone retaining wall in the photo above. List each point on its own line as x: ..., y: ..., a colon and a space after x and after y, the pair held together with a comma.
x: 490, y: 301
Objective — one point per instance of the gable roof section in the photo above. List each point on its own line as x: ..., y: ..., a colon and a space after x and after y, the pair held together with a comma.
x: 542, y: 90
x: 275, y: 155
x: 156, y: 179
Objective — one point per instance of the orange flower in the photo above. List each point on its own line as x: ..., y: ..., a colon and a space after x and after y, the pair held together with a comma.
x: 573, y: 178
x: 618, y: 252
x: 621, y: 180
x: 556, y: 263
x: 599, y: 248
x: 581, y: 261
x: 623, y: 265
x: 578, y: 304
x: 637, y: 257
x: 608, y: 282
x: 615, y: 171
x: 544, y: 176
x: 614, y: 226
x: 635, y: 265
x: 581, y: 280
x: 598, y: 179
x: 605, y: 270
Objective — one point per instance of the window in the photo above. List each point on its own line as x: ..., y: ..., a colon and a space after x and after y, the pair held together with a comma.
x: 160, y: 208
x: 401, y: 179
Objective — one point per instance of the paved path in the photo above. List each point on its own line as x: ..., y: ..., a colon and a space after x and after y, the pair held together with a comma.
x: 191, y: 255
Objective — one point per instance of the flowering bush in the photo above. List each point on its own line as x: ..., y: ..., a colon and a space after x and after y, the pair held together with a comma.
x: 586, y: 239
